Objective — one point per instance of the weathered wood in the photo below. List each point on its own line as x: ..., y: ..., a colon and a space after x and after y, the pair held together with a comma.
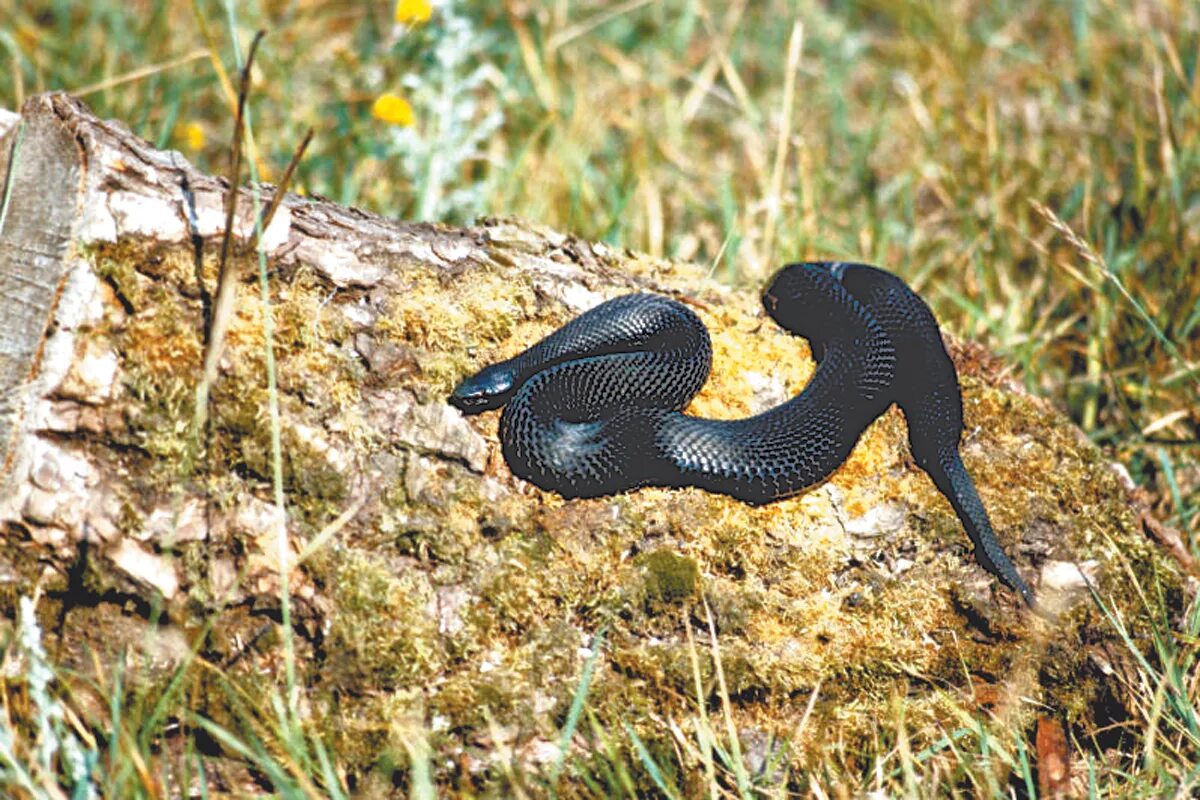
x: 38, y: 208
x: 428, y: 581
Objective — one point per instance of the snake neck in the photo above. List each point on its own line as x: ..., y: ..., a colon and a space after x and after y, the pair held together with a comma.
x: 589, y: 397
x: 627, y: 324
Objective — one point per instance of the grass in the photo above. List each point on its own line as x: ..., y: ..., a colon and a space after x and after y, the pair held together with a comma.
x: 1032, y: 169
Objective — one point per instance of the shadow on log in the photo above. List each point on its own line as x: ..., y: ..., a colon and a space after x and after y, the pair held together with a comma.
x: 431, y: 588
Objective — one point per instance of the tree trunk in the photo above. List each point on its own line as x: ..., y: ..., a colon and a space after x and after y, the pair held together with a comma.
x: 426, y: 582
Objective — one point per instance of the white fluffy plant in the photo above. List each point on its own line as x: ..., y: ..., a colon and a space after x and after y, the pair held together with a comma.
x: 449, y: 129
x: 51, y: 762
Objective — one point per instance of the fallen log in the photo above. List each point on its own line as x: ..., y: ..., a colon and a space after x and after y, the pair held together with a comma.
x: 429, y: 586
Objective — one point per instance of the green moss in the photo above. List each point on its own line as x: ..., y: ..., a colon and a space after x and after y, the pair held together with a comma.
x: 367, y: 729
x: 118, y: 269
x: 669, y: 577
x: 382, y: 631
x: 162, y: 349
x: 733, y: 604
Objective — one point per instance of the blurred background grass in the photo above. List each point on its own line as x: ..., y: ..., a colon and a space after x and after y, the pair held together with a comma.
x: 1031, y: 168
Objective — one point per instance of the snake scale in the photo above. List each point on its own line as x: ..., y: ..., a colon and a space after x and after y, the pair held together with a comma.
x: 596, y: 407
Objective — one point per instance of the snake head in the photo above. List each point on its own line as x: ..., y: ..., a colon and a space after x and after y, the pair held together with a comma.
x: 488, y: 389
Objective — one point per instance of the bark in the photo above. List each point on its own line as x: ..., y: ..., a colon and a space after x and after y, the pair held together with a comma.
x: 429, y: 584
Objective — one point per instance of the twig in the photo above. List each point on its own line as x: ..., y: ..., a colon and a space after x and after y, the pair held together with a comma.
x: 226, y: 293
x: 281, y: 188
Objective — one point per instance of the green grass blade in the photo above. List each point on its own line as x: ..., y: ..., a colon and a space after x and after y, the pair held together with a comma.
x: 650, y: 764
x: 577, y: 705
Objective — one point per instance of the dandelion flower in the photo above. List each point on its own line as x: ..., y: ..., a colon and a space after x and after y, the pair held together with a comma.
x: 413, y: 11
x: 393, y: 109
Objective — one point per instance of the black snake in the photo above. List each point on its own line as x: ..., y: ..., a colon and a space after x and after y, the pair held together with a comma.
x: 596, y: 407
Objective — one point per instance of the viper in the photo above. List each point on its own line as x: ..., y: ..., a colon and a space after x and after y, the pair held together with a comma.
x: 597, y: 407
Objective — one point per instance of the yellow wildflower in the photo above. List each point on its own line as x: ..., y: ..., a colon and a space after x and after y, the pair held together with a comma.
x: 413, y: 11
x: 392, y: 108
x: 193, y: 134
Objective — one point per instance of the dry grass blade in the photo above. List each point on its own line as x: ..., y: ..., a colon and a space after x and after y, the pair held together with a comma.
x: 139, y: 74
x: 775, y: 198
x: 1075, y: 240
x: 568, y: 35
x: 735, y: 746
x: 702, y: 83
x: 703, y: 727
x: 332, y: 529
x: 543, y: 85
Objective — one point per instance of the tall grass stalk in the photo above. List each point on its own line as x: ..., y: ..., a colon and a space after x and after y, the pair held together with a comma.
x: 283, y: 544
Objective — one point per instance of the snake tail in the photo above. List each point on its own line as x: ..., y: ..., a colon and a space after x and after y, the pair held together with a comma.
x: 950, y: 475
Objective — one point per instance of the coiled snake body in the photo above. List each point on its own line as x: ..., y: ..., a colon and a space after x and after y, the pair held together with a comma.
x: 595, y: 408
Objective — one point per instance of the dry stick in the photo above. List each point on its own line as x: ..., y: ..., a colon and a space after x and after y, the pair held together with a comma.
x: 222, y: 75
x: 226, y: 293
x: 281, y: 188
x: 261, y: 220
